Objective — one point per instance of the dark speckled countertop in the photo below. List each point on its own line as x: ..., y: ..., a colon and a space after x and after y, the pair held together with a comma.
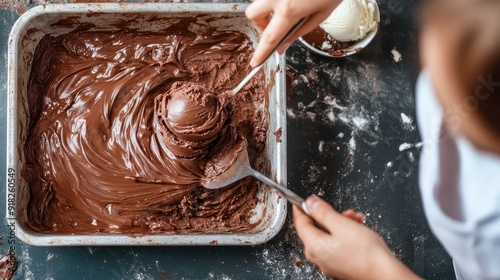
x: 352, y: 139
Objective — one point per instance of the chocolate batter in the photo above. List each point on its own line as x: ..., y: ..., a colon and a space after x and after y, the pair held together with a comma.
x: 121, y: 131
x: 8, y: 266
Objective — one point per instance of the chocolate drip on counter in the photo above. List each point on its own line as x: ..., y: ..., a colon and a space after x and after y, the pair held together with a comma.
x: 120, y: 131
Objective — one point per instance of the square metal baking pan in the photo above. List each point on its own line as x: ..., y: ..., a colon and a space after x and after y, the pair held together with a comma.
x: 48, y: 19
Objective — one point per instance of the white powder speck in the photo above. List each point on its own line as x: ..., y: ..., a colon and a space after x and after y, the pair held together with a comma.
x: 329, y: 100
x: 405, y: 146
x: 26, y: 263
x: 406, y: 119
x: 326, y: 45
x: 332, y: 101
x: 418, y: 145
x: 312, y: 104
x: 352, y: 145
x: 330, y: 116
x: 303, y: 78
x: 344, y: 118
x: 92, y: 249
x: 411, y: 157
x: 359, y: 122
x: 311, y: 115
x: 396, y: 55
x: 389, y: 164
x: 50, y: 256
x: 407, y: 122
x: 292, y: 265
x: 290, y: 113
x: 341, y: 135
x: 139, y: 276
x: 320, y: 146
x: 313, y: 74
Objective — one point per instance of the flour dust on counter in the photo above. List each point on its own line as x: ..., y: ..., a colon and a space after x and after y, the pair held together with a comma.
x: 352, y: 116
x: 284, y: 258
x: 19, y: 7
x: 214, y: 276
x: 330, y: 106
x: 137, y: 270
x: 350, y: 96
x: 396, y: 55
x: 25, y: 265
x: 50, y: 256
x: 92, y: 250
x: 407, y: 122
x: 328, y: 103
x: 406, y: 146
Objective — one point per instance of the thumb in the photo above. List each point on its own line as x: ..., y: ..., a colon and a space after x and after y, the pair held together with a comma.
x: 324, y: 214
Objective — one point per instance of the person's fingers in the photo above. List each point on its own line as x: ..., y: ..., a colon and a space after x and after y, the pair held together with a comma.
x: 286, y: 14
x: 349, y: 213
x: 353, y: 215
x: 324, y: 214
x: 263, y: 22
x: 360, y: 218
x: 306, y: 228
x: 304, y: 29
x: 313, y: 21
x: 259, y: 12
x: 274, y: 32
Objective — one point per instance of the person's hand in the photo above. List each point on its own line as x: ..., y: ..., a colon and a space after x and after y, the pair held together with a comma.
x: 348, y: 250
x: 460, y: 48
x: 355, y: 216
x: 277, y: 17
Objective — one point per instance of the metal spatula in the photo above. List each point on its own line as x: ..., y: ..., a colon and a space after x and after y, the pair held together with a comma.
x: 231, y: 93
x: 241, y: 168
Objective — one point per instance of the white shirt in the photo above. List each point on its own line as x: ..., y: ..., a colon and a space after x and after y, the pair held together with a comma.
x: 460, y: 188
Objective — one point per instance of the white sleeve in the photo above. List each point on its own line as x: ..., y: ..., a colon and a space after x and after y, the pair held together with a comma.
x: 460, y: 188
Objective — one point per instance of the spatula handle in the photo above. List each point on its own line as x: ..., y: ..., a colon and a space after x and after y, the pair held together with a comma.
x: 257, y: 68
x: 286, y: 193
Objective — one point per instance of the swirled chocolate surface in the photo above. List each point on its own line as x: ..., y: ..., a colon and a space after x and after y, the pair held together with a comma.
x: 123, y: 124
